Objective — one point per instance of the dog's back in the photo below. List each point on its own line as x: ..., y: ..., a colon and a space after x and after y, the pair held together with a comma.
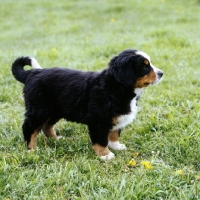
x: 64, y: 92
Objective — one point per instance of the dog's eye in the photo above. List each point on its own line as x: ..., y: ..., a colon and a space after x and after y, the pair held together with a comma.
x: 146, y: 68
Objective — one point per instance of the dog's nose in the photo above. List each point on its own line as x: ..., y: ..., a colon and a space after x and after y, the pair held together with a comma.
x: 160, y: 74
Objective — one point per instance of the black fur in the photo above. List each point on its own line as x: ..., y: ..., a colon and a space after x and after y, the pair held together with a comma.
x: 17, y: 68
x: 91, y: 98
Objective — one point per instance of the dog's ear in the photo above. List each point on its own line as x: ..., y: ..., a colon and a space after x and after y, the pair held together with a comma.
x: 123, y: 69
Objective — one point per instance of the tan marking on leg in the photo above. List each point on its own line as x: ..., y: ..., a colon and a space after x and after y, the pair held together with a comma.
x: 100, y: 151
x: 49, y: 130
x: 113, y: 136
x: 33, y: 141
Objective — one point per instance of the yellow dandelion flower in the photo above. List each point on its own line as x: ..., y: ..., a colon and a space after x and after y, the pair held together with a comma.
x: 53, y: 49
x: 113, y: 20
x: 149, y: 166
x: 179, y: 172
x: 146, y: 164
x: 132, y: 163
x: 135, y: 154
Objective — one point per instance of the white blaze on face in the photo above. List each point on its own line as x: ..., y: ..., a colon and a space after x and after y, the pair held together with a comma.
x: 144, y: 55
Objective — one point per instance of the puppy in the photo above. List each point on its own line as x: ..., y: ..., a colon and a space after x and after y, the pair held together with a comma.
x: 105, y: 101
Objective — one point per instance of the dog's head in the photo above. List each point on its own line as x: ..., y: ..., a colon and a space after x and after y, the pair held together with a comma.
x: 134, y: 68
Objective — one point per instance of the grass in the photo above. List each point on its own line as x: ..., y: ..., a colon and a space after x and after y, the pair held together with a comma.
x: 85, y: 35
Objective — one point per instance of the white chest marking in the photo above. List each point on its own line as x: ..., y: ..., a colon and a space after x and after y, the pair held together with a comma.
x: 124, y: 120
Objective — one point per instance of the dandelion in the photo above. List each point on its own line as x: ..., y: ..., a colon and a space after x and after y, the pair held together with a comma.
x: 132, y: 163
x: 53, y: 49
x: 149, y: 166
x: 146, y: 164
x: 135, y: 154
x: 179, y: 172
x: 113, y: 20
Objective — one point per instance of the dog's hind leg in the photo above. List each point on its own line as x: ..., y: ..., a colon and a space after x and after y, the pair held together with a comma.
x: 30, y: 130
x: 114, y: 143
x: 48, y: 128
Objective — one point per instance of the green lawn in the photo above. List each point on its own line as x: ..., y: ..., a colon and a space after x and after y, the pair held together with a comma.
x: 85, y: 35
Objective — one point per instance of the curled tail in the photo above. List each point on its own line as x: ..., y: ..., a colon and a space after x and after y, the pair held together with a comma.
x: 18, y: 67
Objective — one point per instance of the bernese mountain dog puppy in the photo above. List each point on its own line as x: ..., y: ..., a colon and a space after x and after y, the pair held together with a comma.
x: 105, y: 101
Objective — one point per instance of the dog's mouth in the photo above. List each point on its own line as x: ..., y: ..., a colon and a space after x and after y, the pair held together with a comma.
x: 146, y: 83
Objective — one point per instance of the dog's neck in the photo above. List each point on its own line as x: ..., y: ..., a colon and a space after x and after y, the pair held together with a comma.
x: 138, y: 92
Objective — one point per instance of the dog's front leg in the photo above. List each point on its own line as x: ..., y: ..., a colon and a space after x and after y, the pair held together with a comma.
x: 99, y: 138
x: 114, y: 143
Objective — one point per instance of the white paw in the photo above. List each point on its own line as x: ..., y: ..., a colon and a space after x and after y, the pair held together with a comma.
x: 116, y: 146
x: 59, y: 137
x: 108, y: 157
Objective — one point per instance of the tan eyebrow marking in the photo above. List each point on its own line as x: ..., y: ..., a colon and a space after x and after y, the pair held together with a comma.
x: 146, y: 62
